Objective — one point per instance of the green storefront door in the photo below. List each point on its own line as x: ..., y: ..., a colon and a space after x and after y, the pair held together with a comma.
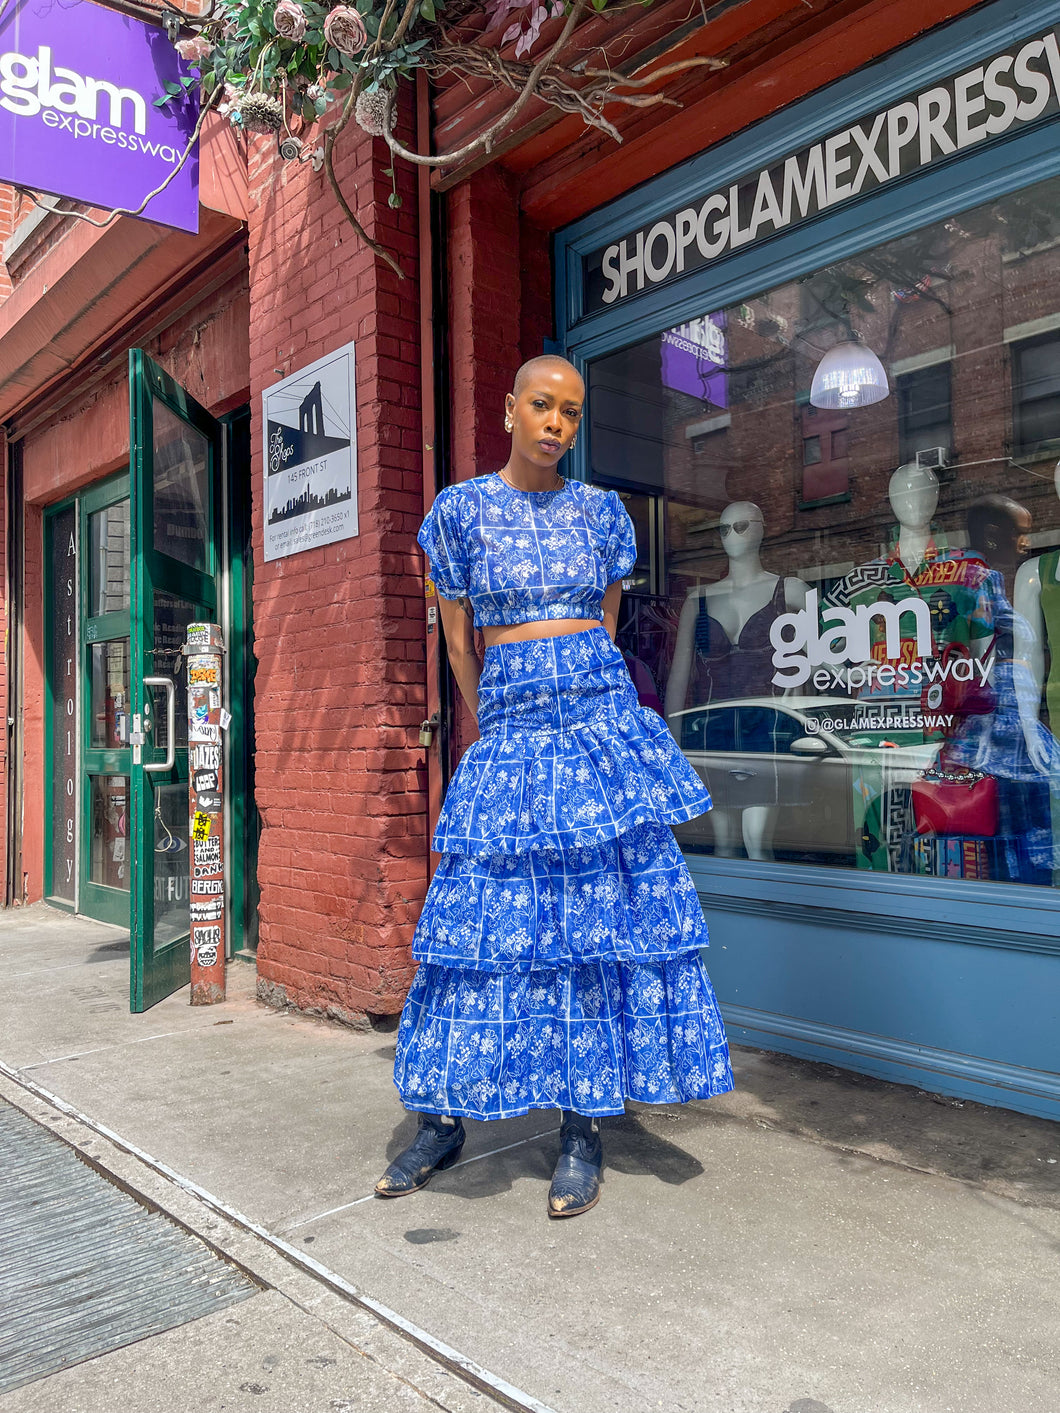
x: 175, y: 474
x: 104, y: 792
x: 130, y: 563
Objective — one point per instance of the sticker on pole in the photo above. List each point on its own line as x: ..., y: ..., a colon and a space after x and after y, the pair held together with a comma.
x: 200, y: 827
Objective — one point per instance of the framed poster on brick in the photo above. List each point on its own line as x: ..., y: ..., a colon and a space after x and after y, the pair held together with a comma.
x: 310, y: 429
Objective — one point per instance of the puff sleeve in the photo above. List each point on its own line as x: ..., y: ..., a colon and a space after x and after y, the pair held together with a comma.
x: 442, y: 540
x: 620, y: 538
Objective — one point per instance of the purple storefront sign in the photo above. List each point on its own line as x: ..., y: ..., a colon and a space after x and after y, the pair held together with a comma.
x: 78, y: 85
x: 693, y: 359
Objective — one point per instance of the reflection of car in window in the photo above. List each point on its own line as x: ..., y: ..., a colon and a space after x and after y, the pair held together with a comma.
x: 811, y: 749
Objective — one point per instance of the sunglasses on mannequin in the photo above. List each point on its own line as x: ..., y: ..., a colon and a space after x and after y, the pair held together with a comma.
x: 738, y: 527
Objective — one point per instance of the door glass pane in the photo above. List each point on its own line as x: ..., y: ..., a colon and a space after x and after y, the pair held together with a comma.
x: 181, y: 490
x: 108, y: 668
x: 108, y: 830
x: 868, y: 572
x: 108, y: 559
x: 171, y: 863
x: 63, y: 668
x: 172, y: 616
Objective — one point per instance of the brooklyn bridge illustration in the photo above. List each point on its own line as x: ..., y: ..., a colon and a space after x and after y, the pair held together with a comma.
x: 290, y: 447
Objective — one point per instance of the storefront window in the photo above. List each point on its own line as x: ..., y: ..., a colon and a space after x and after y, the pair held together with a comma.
x: 62, y: 684
x: 181, y: 488
x: 109, y: 684
x: 108, y: 834
x: 850, y: 616
x: 108, y: 559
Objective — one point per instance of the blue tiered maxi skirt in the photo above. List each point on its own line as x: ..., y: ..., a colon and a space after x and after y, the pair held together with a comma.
x: 559, y: 941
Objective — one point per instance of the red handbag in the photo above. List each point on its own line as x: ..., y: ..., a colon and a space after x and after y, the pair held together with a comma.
x: 953, y: 802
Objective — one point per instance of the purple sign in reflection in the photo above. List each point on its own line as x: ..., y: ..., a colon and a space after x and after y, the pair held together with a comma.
x: 78, y: 85
x: 693, y: 359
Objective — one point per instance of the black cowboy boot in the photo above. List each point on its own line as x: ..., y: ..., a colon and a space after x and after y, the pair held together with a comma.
x: 576, y: 1179
x: 436, y: 1146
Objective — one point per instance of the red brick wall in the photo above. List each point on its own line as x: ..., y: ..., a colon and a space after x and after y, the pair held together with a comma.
x: 10, y: 201
x: 485, y: 303
x: 339, y: 630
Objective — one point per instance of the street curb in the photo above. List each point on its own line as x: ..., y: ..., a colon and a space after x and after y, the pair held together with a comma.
x: 433, y: 1369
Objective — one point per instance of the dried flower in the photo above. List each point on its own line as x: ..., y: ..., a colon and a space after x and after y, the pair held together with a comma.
x: 344, y: 30
x: 289, y: 20
x: 373, y: 111
x: 194, y: 50
x: 260, y: 113
x: 313, y: 92
x: 229, y: 99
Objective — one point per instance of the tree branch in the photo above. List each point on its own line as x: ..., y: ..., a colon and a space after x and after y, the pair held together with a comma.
x: 330, y: 138
x: 484, y: 141
x: 562, y: 87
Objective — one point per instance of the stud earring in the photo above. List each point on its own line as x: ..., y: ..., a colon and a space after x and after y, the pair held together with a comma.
x: 508, y: 424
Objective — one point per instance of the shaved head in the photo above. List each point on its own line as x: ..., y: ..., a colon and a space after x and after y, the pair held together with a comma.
x: 544, y: 363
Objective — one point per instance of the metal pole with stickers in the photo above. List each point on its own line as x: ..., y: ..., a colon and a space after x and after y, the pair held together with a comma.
x: 206, y: 720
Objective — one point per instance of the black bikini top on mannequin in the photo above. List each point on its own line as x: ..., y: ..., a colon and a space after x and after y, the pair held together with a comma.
x: 712, y: 641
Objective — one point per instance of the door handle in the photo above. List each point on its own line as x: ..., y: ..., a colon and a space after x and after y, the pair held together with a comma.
x: 171, y: 722
x: 743, y: 774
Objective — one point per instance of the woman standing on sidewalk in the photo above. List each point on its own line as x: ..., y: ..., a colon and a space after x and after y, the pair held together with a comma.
x: 559, y: 942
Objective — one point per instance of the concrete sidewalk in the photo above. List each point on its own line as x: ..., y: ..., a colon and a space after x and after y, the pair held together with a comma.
x: 817, y: 1242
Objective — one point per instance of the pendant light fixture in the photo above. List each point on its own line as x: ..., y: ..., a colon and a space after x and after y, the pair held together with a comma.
x: 849, y: 375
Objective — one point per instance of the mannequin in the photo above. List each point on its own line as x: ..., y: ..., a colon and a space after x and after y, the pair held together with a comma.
x: 954, y: 587
x: 959, y: 608
x: 724, y: 630
x: 998, y: 528
x: 913, y: 492
x: 1037, y: 604
x: 1010, y: 743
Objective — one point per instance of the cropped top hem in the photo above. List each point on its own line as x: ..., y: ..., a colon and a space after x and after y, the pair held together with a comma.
x: 547, y: 613
x: 521, y: 557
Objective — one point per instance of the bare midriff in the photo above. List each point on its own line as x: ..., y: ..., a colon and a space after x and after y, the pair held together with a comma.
x: 543, y: 628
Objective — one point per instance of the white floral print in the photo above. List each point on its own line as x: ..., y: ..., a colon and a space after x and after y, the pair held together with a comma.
x: 559, y: 944
x: 490, y: 1045
x: 521, y: 556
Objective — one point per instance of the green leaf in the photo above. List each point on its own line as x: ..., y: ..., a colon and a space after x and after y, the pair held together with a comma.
x: 334, y: 58
x: 189, y: 81
x: 393, y: 200
x: 161, y: 102
x: 427, y: 10
x: 173, y: 89
x: 319, y: 107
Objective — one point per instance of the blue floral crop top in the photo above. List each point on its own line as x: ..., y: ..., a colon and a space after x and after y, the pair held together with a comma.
x: 523, y: 556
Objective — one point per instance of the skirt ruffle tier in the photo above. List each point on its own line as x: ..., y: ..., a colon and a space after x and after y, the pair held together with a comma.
x: 560, y: 939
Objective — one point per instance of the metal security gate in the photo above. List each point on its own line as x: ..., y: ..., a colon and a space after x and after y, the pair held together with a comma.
x: 84, y: 1269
